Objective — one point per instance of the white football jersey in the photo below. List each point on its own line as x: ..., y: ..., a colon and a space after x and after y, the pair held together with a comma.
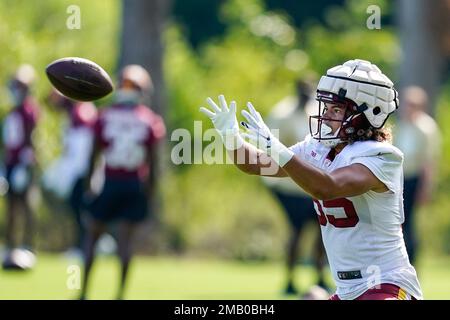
x: 363, y: 235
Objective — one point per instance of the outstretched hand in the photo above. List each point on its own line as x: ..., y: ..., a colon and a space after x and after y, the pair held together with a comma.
x: 224, y: 121
x: 223, y: 118
x: 259, y: 134
x: 257, y: 131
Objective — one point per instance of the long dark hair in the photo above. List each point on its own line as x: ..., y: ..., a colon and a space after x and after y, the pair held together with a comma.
x: 364, y: 131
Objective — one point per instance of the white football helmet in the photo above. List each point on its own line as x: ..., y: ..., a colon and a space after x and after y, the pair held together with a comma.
x: 364, y: 90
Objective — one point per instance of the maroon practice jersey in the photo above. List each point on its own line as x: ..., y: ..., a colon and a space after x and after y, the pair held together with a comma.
x: 125, y: 134
x: 18, y: 127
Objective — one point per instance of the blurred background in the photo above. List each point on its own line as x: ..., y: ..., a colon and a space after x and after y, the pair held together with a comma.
x: 247, y: 50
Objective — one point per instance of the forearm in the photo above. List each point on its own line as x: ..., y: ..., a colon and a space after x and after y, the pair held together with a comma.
x: 427, y: 178
x: 246, y: 159
x: 255, y: 162
x: 348, y: 181
x: 318, y: 183
x: 424, y: 192
x: 91, y: 168
x: 152, y: 161
x: 240, y: 157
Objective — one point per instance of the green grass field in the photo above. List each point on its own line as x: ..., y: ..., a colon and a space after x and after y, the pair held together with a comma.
x: 183, y: 278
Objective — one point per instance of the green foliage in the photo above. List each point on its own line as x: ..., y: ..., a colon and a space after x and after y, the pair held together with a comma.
x: 433, y: 220
x: 210, y: 209
x: 257, y: 60
x: 36, y: 33
x: 217, y: 209
x: 346, y: 37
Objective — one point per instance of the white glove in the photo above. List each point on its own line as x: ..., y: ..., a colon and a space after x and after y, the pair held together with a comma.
x: 225, y: 121
x: 259, y: 135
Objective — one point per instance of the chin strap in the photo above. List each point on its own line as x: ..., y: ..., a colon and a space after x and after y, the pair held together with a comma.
x: 330, y: 140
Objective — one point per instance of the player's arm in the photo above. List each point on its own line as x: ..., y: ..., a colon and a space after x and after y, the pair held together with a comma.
x: 153, y: 165
x: 157, y: 134
x: 244, y: 155
x: 428, y: 171
x: 95, y: 154
x: 256, y: 161
x: 344, y: 182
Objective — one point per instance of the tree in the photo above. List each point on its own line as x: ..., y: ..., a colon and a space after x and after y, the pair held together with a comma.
x: 143, y: 23
x: 423, y: 30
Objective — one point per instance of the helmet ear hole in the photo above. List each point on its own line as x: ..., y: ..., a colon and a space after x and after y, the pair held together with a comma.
x: 376, y: 110
x: 349, y: 130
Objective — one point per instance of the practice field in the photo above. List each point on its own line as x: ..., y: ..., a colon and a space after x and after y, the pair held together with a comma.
x: 181, y: 278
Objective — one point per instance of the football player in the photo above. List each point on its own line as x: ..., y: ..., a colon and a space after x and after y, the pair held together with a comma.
x: 66, y: 177
x: 349, y: 167
x: 19, y: 160
x: 126, y: 134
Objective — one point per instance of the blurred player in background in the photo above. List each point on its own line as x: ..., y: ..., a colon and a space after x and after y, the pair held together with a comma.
x: 350, y: 168
x: 291, y: 117
x: 19, y: 160
x: 417, y: 135
x: 126, y: 135
x: 67, y: 176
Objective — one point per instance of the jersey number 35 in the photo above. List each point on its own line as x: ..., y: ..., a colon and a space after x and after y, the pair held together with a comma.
x: 349, y: 221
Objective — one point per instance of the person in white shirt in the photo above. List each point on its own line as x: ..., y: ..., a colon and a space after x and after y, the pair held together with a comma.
x: 291, y: 115
x: 349, y: 167
x: 66, y: 176
x: 418, y: 136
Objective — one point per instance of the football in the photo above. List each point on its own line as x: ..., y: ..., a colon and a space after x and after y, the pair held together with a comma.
x: 79, y: 79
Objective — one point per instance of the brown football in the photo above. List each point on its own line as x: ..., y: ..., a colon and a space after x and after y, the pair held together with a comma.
x: 79, y: 79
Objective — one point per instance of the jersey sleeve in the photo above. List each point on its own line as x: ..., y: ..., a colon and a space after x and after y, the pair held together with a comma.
x: 157, y: 129
x: 98, y: 130
x: 154, y: 123
x: 301, y: 148
x: 30, y: 115
x: 387, y: 167
x: 297, y: 148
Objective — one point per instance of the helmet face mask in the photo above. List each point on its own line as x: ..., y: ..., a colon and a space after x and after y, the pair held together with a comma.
x: 367, y: 95
x: 319, y: 125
